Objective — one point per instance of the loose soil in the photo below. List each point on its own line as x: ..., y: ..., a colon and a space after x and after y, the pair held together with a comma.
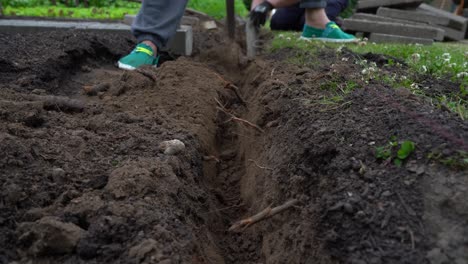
x: 84, y: 179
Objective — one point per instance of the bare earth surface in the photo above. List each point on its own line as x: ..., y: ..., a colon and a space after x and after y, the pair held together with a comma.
x: 84, y: 179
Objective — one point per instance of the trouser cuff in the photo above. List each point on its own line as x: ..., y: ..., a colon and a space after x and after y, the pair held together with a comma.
x: 313, y: 4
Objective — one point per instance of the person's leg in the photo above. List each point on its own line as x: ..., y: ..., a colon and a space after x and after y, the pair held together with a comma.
x: 288, y: 18
x: 155, y: 23
x: 334, y: 8
x: 318, y: 26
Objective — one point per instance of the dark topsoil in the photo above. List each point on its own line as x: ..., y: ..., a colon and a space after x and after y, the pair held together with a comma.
x: 83, y: 178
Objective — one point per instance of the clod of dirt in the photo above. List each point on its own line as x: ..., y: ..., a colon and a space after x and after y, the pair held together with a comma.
x: 172, y: 147
x: 58, y: 174
x: 12, y: 194
x: 63, y: 104
x: 50, y: 236
x: 34, y: 120
x: 129, y: 180
x: 147, y: 249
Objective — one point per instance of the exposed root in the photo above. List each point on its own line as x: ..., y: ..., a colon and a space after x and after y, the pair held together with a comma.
x: 232, y: 87
x: 237, y: 119
x: 92, y: 90
x: 261, y: 167
x: 63, y: 104
x: 264, y: 214
x: 146, y: 74
x: 211, y: 157
x: 235, y: 89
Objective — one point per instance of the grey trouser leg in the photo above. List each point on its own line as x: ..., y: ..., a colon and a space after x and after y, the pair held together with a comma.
x: 158, y: 20
x: 313, y: 3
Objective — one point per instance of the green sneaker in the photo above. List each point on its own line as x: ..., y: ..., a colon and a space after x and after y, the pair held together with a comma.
x: 141, y: 55
x: 331, y: 33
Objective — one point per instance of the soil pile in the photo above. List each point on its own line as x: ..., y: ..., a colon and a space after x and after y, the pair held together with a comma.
x: 88, y: 176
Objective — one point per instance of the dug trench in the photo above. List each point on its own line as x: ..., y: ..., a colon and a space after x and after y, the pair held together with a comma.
x: 85, y: 178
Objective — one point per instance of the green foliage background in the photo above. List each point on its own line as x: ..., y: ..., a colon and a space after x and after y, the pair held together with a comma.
x: 103, y: 9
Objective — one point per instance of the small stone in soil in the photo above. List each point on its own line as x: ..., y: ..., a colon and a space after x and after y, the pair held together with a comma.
x: 172, y: 147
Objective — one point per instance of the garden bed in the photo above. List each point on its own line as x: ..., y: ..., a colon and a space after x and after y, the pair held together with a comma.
x: 85, y: 178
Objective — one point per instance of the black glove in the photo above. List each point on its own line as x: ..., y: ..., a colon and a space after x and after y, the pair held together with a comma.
x: 259, y: 14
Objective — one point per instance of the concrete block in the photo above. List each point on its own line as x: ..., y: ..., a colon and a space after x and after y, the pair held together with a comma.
x: 413, y: 15
x: 452, y: 34
x: 182, y: 42
x: 208, y: 25
x: 25, y: 26
x: 449, y: 33
x: 186, y: 20
x: 392, y: 28
x: 128, y: 19
x: 372, y: 17
x: 374, y: 4
x: 385, y: 38
x: 190, y: 21
x: 456, y: 22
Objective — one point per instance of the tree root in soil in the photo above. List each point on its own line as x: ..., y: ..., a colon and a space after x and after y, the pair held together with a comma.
x: 237, y: 119
x: 232, y: 87
x: 63, y: 104
x: 268, y: 212
x: 92, y: 90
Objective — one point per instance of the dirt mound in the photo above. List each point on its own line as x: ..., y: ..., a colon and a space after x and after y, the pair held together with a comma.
x: 87, y: 178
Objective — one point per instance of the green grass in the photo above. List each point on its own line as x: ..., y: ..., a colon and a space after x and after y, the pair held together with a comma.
x: 441, y: 60
x: 214, y: 8
x: 71, y: 12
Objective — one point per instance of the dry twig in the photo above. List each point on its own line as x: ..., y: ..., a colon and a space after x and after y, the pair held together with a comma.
x: 266, y: 213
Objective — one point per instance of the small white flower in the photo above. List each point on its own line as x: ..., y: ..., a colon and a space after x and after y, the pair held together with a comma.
x: 288, y: 38
x: 446, y: 56
x: 447, y: 60
x: 462, y: 74
x: 424, y: 69
x: 339, y: 49
x: 466, y: 54
x: 414, y: 85
x: 416, y: 57
x: 280, y: 36
x: 364, y: 71
x: 451, y: 65
x: 344, y: 59
x: 404, y: 77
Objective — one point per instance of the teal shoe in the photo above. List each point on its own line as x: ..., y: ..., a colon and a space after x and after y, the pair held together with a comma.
x: 331, y: 33
x: 141, y: 55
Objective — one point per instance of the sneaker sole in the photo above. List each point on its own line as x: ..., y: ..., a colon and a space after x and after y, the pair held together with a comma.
x: 128, y: 67
x: 330, y: 40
